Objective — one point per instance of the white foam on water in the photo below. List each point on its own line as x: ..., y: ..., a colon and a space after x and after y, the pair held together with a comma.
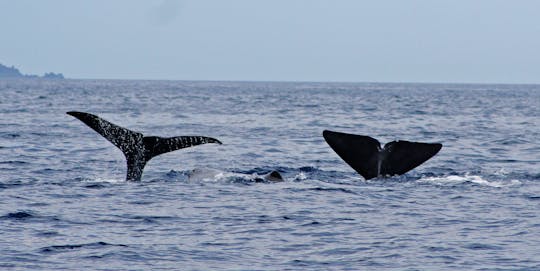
x: 300, y: 176
x: 103, y: 180
x: 213, y: 175
x: 206, y: 175
x: 476, y: 179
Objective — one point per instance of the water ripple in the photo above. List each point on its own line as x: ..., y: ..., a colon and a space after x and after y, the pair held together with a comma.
x: 62, y: 248
x: 65, y: 205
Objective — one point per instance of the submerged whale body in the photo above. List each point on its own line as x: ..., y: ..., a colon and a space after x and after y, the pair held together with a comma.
x: 138, y: 149
x: 365, y: 155
x: 209, y: 174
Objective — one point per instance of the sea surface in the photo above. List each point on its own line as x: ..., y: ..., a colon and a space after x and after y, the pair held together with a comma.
x: 64, y: 204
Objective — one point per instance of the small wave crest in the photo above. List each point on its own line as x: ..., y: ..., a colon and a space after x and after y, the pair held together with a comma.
x: 228, y: 177
x: 474, y: 179
x: 101, y: 180
x: 60, y: 248
x: 98, y: 183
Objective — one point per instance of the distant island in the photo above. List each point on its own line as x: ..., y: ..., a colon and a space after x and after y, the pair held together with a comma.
x: 12, y: 72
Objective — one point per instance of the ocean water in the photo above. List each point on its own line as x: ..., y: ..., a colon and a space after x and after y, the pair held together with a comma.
x: 64, y: 204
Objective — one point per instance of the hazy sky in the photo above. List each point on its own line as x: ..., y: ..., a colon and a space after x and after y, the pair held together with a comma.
x: 481, y: 41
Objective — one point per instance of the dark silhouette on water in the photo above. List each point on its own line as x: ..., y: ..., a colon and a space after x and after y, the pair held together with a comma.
x: 12, y: 72
x: 137, y: 148
x: 365, y: 155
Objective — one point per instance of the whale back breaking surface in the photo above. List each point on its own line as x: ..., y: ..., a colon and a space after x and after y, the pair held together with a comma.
x: 365, y: 155
x: 138, y: 149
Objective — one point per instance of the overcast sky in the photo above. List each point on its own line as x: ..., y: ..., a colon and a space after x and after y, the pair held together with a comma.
x: 481, y: 41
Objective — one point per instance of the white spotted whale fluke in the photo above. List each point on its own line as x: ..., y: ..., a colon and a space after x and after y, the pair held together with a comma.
x: 365, y: 155
x: 137, y: 148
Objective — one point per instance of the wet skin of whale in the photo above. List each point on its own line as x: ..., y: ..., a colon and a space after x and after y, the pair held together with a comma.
x: 137, y: 148
x: 365, y: 155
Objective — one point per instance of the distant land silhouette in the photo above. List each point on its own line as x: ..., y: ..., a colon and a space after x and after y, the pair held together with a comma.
x: 12, y: 72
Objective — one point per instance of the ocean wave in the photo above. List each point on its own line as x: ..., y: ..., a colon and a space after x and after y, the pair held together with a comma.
x: 21, y: 215
x: 95, y: 245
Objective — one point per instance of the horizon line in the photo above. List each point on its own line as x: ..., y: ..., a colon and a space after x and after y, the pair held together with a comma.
x: 304, y: 81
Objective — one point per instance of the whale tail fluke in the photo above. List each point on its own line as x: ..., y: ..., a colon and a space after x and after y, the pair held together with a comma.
x: 360, y: 152
x: 138, y: 149
x: 122, y: 138
x: 405, y: 155
x: 365, y: 155
x: 155, y: 145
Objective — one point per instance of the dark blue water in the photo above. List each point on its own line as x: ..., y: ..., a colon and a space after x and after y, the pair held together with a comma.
x: 64, y: 204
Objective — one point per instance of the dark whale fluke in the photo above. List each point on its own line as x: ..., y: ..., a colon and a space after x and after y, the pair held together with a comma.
x: 365, y: 155
x: 137, y: 148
